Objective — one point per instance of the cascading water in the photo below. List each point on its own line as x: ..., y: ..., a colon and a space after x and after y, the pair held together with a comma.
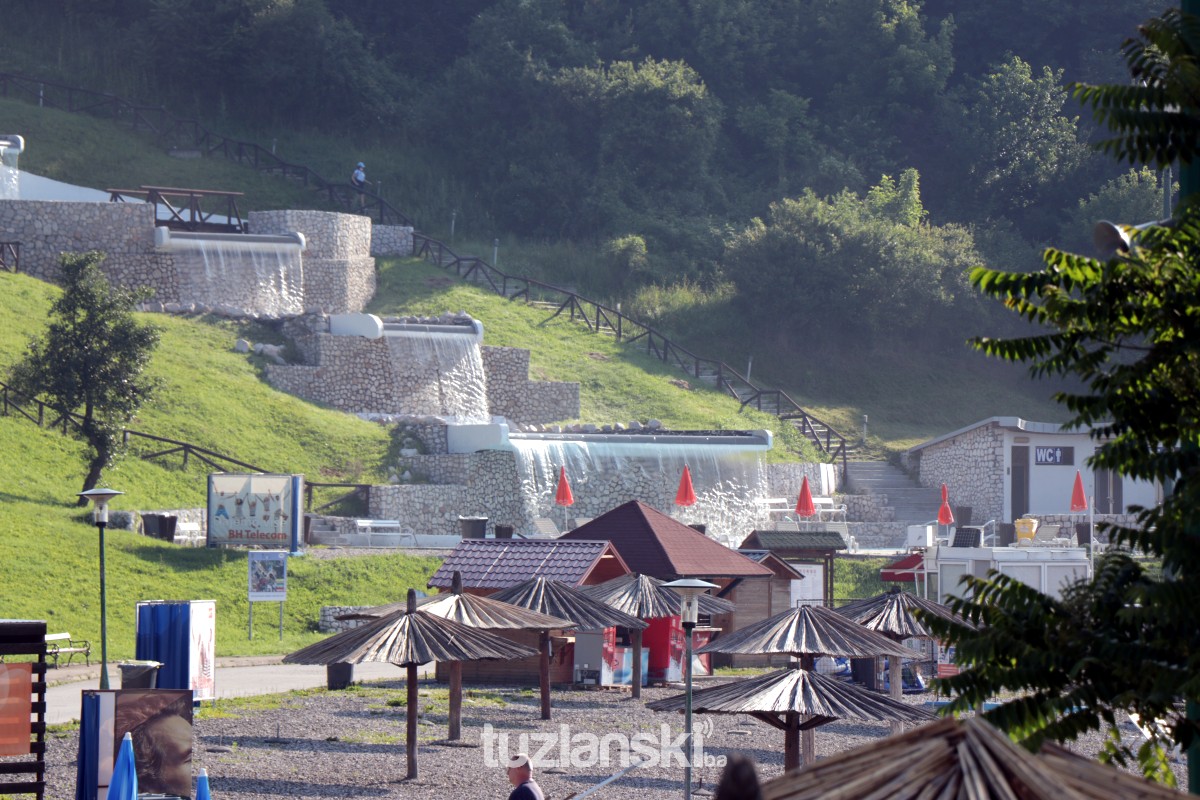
x: 448, y: 368
x: 258, y: 274
x: 10, y: 176
x: 603, y: 474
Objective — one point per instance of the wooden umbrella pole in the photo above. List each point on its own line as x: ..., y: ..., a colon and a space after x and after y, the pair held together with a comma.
x: 896, y: 679
x: 410, y: 744
x: 636, y: 689
x: 791, y: 742
x: 544, y: 672
x: 456, y: 668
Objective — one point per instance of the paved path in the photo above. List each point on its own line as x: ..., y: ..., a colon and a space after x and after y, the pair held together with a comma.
x: 235, y: 678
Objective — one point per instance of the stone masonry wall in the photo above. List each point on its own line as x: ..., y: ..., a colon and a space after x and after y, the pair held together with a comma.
x: 339, y: 272
x: 391, y: 240
x: 124, y: 231
x: 512, y: 395
x: 969, y: 463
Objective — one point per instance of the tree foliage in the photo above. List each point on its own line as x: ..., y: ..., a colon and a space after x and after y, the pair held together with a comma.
x: 91, y: 360
x: 1128, y: 329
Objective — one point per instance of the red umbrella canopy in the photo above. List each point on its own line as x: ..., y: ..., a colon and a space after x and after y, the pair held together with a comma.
x: 804, y: 504
x: 563, y: 496
x: 686, y: 496
x: 945, y: 515
x: 1078, y: 496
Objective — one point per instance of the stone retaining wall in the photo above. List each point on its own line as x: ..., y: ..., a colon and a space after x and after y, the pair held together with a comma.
x: 512, y: 395
x: 395, y: 241
x: 327, y: 624
x: 971, y: 463
x: 339, y: 272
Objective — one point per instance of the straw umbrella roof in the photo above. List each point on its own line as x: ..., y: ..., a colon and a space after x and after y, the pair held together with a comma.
x: 648, y: 598
x: 800, y: 691
x: 559, y: 600
x: 404, y: 638
x: 807, y: 631
x: 892, y: 614
x: 471, y: 610
x: 959, y: 760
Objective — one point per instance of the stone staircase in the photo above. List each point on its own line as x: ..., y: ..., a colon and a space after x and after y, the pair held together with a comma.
x: 911, y: 504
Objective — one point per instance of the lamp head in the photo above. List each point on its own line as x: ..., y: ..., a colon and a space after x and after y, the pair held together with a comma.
x: 100, y: 498
x: 689, y: 589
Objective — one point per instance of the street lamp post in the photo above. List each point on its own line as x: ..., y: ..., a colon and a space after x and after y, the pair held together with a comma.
x: 689, y: 590
x: 100, y: 498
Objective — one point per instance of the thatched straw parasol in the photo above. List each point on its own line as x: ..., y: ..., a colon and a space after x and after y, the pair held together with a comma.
x: 409, y: 638
x: 475, y: 612
x: 560, y: 600
x: 960, y: 760
x: 805, y: 632
x: 645, y: 597
x: 898, y: 615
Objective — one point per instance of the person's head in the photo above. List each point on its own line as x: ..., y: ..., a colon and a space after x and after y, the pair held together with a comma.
x: 361, y: 165
x: 162, y: 740
x: 519, y: 769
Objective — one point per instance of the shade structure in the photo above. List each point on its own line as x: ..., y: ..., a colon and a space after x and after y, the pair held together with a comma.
x: 686, y: 495
x: 645, y: 597
x: 959, y: 760
x: 896, y: 614
x: 409, y: 638
x: 1079, y: 500
x: 807, y: 631
x: 562, y: 495
x: 804, y: 503
x: 904, y: 569
x: 559, y: 600
x: 203, y: 792
x: 945, y: 515
x: 795, y: 700
x: 124, y: 783
x: 475, y: 612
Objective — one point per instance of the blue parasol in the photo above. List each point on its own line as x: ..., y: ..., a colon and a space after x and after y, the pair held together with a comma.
x: 202, y: 792
x: 124, y: 782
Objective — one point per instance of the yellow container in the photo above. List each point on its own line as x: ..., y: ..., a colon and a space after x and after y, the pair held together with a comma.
x: 1025, y: 528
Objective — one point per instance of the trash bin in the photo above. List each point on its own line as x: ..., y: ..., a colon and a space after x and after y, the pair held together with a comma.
x: 139, y: 674
x: 166, y: 527
x: 1026, y: 527
x: 962, y: 514
x: 1006, y: 534
x: 339, y: 676
x: 504, y: 531
x: 473, y: 527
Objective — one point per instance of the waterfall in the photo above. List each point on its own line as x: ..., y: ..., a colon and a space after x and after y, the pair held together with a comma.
x: 256, y: 274
x: 726, y: 478
x: 449, y: 369
x: 10, y: 177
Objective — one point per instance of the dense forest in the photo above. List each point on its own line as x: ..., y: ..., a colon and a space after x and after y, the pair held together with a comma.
x: 847, y: 158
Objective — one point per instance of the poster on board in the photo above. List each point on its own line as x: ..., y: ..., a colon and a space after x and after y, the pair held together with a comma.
x: 255, y: 510
x: 202, y: 665
x: 268, y: 575
x: 160, y: 721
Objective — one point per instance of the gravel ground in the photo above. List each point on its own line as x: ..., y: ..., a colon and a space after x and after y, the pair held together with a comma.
x: 351, y: 744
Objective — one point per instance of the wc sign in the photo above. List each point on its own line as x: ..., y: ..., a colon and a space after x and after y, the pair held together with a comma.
x: 1054, y: 456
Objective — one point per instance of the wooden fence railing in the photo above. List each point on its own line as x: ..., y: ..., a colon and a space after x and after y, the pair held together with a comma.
x: 173, y: 132
x: 10, y: 256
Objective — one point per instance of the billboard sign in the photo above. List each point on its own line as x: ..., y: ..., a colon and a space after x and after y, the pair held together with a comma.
x: 255, y: 510
x: 268, y: 575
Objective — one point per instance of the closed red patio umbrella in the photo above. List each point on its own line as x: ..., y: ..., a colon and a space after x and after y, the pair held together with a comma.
x: 686, y: 496
x: 945, y: 515
x: 804, y: 504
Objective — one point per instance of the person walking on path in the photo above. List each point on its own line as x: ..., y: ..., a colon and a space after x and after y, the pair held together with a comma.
x: 358, y: 179
x: 520, y: 775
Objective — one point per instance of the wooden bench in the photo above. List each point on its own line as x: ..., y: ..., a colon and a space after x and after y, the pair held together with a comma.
x: 61, y: 644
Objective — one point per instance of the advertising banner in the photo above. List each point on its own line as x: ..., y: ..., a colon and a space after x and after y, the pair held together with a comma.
x: 16, y: 705
x: 255, y: 510
x: 160, y: 721
x: 268, y: 575
x: 201, y: 662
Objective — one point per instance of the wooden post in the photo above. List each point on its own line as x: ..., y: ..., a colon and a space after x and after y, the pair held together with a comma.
x: 896, y: 679
x: 455, y: 701
x: 637, y: 664
x: 410, y: 744
x: 544, y: 671
x: 791, y: 742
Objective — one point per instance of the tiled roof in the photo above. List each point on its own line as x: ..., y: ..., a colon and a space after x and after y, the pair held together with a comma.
x: 789, y: 541
x: 774, y: 562
x: 500, y: 563
x: 654, y: 544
